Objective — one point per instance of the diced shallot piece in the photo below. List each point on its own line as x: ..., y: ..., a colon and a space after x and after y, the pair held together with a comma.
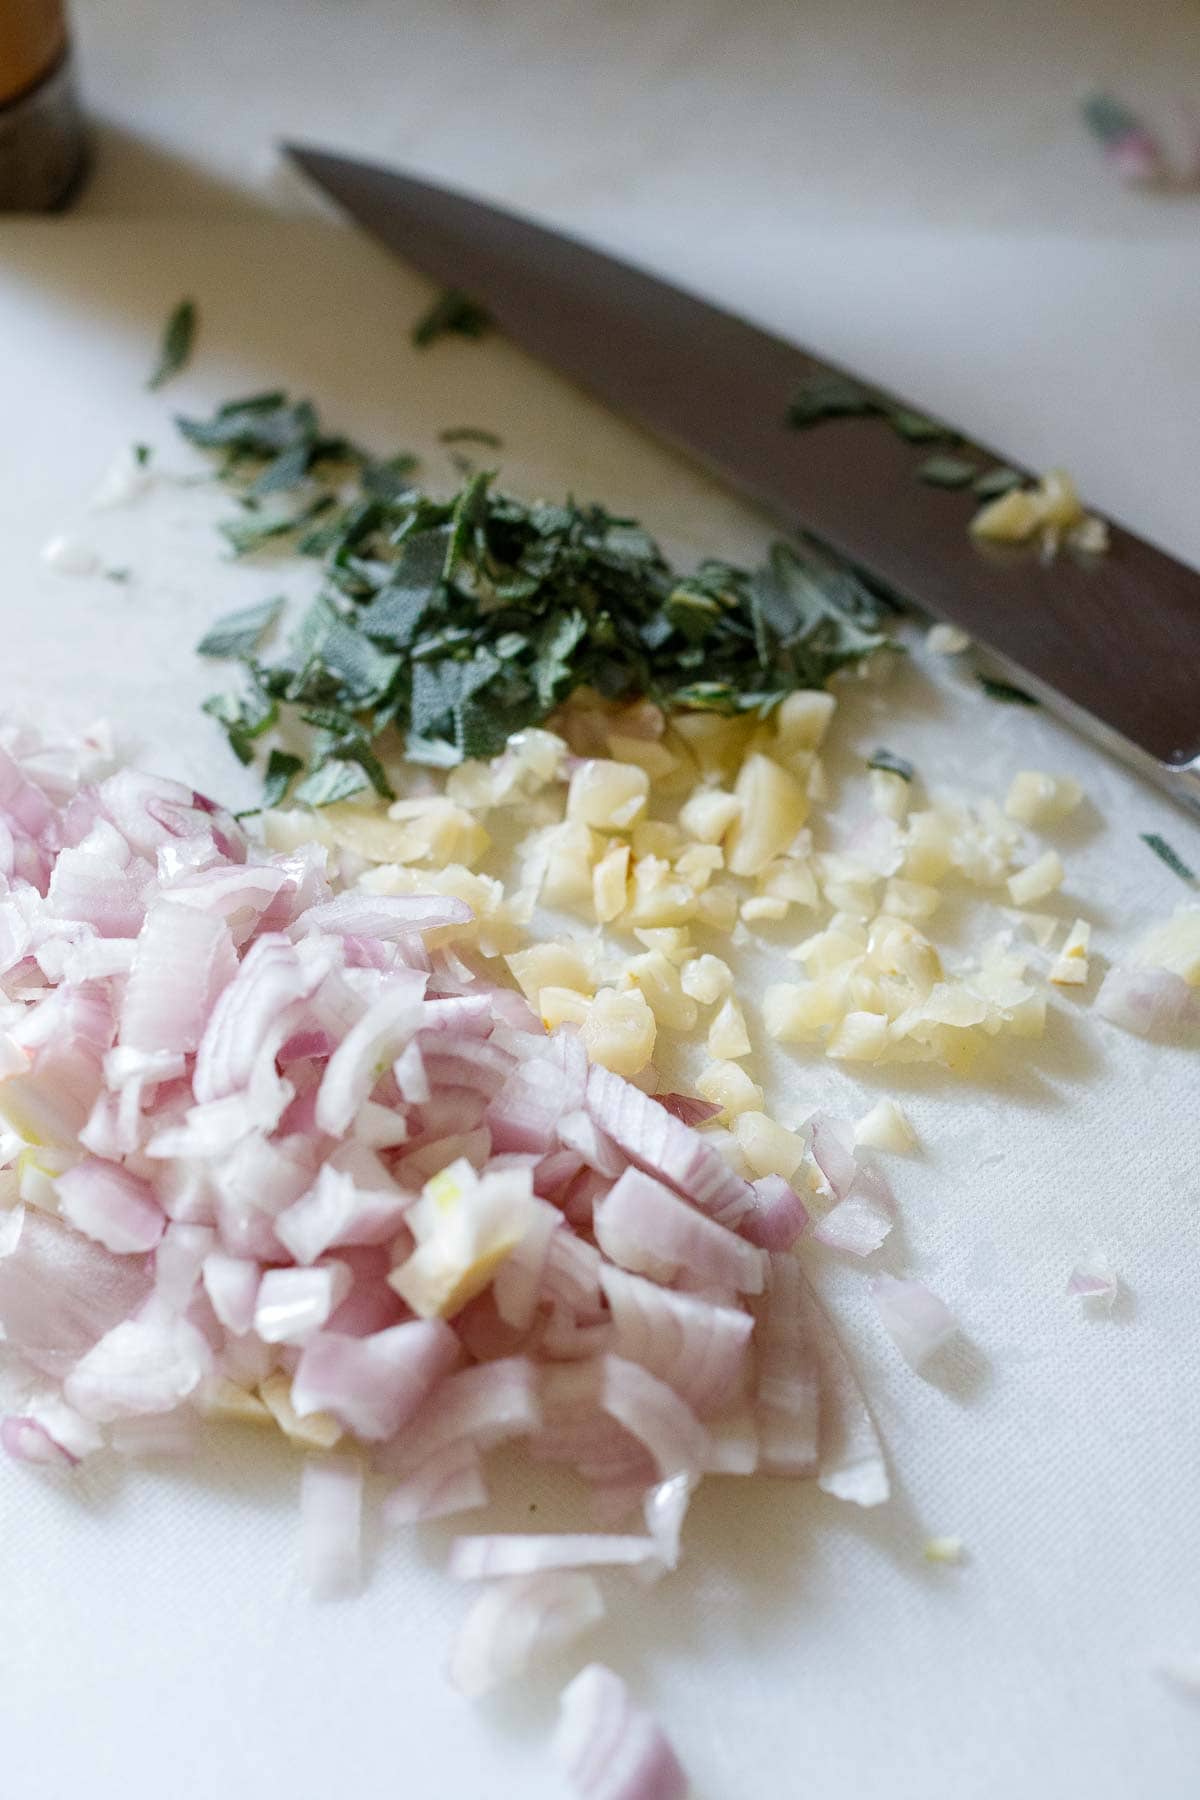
x: 373, y: 1385
x: 331, y: 1499
x: 918, y: 1323
x: 450, y: 1481
x: 645, y: 1227
x: 608, y: 1748
x: 516, y: 1623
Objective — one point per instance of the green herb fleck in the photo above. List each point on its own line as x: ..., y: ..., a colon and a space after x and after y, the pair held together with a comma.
x: 240, y: 633
x: 1167, y: 855
x: 244, y: 717
x: 916, y: 427
x: 446, y: 624
x: 248, y: 535
x: 1004, y: 691
x: 891, y: 764
x: 142, y: 454
x: 827, y: 395
x: 994, y: 482
x: 452, y: 312
x: 178, y: 339
x: 282, y: 766
x: 121, y: 576
x: 471, y: 434
x: 947, y: 471
x: 1109, y: 119
x: 332, y: 782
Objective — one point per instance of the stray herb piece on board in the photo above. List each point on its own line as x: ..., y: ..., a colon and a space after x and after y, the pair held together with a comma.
x: 827, y: 395
x: 892, y: 764
x: 947, y: 471
x: 240, y: 633
x: 1167, y: 855
x: 332, y: 782
x: 178, y: 339
x: 471, y: 434
x: 1133, y: 150
x: 916, y: 427
x: 451, y: 313
x: 994, y: 482
x: 1004, y: 691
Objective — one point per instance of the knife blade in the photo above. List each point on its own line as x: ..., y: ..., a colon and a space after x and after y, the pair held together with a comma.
x: 1110, y: 642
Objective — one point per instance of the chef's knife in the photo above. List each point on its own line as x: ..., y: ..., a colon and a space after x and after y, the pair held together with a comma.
x: 1112, y: 642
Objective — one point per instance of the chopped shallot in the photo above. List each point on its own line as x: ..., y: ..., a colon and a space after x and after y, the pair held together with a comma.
x: 331, y: 1498
x: 268, y: 1156
x: 608, y: 1748
x: 450, y: 1481
x: 1093, y: 1279
x: 516, y: 1622
x: 918, y: 1323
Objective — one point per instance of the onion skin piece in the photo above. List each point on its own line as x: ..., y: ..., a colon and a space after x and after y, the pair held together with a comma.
x: 643, y: 1226
x: 702, y: 1350
x: 519, y: 1622
x: 107, y: 1203
x: 373, y: 1385
x: 1148, y: 1001
x: 528, y: 1553
x: 851, y: 1464
x: 609, y: 1749
x: 450, y: 1481
x: 787, y: 1395
x: 60, y: 1292
x: 918, y: 1323
x: 331, y: 1498
x: 25, y: 1440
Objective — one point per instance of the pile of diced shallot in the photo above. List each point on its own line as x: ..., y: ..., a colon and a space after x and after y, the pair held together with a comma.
x: 272, y: 1152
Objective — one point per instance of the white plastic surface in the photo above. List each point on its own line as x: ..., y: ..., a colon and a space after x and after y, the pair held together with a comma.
x: 153, y: 1639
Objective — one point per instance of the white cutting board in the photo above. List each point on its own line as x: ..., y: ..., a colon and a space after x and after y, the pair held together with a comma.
x: 153, y: 1639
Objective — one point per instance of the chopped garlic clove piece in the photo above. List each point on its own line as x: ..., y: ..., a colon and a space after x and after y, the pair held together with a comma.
x: 706, y: 978
x: 1012, y: 519
x: 316, y: 1431
x: 802, y: 719
x: 890, y: 793
x: 947, y: 640
x: 861, y: 1037
x: 729, y: 1087
x: 607, y: 796
x: 769, y: 1148
x: 1035, y: 798
x: 1037, y: 880
x: 610, y: 884
x: 708, y: 815
x: 571, y: 850
x: 947, y: 1550
x: 717, y: 906
x: 764, y: 907
x: 552, y: 964
x: 728, y: 1038
x: 619, y: 1031
x: 1070, y: 968
x: 659, y: 980
x: 773, y: 808
x: 561, y: 1006
x: 912, y: 900
x: 885, y: 1127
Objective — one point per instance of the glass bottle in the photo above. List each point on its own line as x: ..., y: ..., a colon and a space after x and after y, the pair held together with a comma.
x: 42, y: 148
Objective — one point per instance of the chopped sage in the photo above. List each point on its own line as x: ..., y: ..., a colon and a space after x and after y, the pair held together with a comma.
x: 178, y: 341
x: 1169, y: 856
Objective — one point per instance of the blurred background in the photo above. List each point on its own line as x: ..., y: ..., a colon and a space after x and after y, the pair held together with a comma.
x: 686, y: 128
